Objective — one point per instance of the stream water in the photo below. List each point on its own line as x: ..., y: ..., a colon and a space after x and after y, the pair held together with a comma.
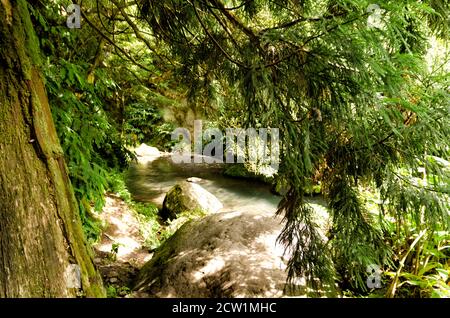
x: 151, y: 181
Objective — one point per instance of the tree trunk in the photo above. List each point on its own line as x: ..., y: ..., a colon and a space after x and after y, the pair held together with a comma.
x: 40, y: 227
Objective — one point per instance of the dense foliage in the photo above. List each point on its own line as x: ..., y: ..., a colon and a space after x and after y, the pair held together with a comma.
x: 354, y: 100
x: 99, y: 106
x: 359, y: 92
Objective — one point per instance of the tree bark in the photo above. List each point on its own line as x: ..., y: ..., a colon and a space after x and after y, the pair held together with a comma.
x: 40, y: 227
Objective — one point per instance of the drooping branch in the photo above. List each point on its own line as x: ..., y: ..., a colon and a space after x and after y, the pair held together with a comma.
x: 227, y: 55
x: 300, y: 20
x: 134, y: 27
x: 282, y: 59
x: 224, y: 27
x: 129, y: 57
x: 235, y: 21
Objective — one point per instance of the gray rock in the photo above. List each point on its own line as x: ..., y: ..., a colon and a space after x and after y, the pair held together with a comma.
x: 228, y: 254
x: 186, y: 196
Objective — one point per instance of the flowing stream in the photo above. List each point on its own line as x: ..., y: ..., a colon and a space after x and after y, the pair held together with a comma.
x: 151, y: 181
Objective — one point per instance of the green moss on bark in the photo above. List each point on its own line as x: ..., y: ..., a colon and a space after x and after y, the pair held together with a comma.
x: 33, y: 177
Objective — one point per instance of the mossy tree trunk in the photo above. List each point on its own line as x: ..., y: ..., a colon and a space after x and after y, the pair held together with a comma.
x: 40, y: 228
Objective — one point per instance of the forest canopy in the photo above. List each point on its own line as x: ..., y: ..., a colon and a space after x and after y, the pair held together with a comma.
x: 356, y: 102
x: 359, y: 91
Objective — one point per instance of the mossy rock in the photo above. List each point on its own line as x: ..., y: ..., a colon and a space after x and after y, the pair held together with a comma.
x: 185, y: 196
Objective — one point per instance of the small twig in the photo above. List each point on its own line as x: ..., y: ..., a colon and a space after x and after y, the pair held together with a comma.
x: 392, y: 289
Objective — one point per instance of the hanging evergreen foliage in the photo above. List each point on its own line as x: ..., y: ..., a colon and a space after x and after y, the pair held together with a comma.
x: 355, y: 102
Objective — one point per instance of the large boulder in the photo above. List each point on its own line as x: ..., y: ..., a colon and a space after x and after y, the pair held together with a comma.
x: 228, y: 254
x: 185, y: 196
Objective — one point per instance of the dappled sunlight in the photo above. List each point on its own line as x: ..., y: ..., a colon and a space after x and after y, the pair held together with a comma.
x: 121, y: 233
x: 212, y: 266
x: 230, y: 254
x: 231, y: 215
x: 234, y: 148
